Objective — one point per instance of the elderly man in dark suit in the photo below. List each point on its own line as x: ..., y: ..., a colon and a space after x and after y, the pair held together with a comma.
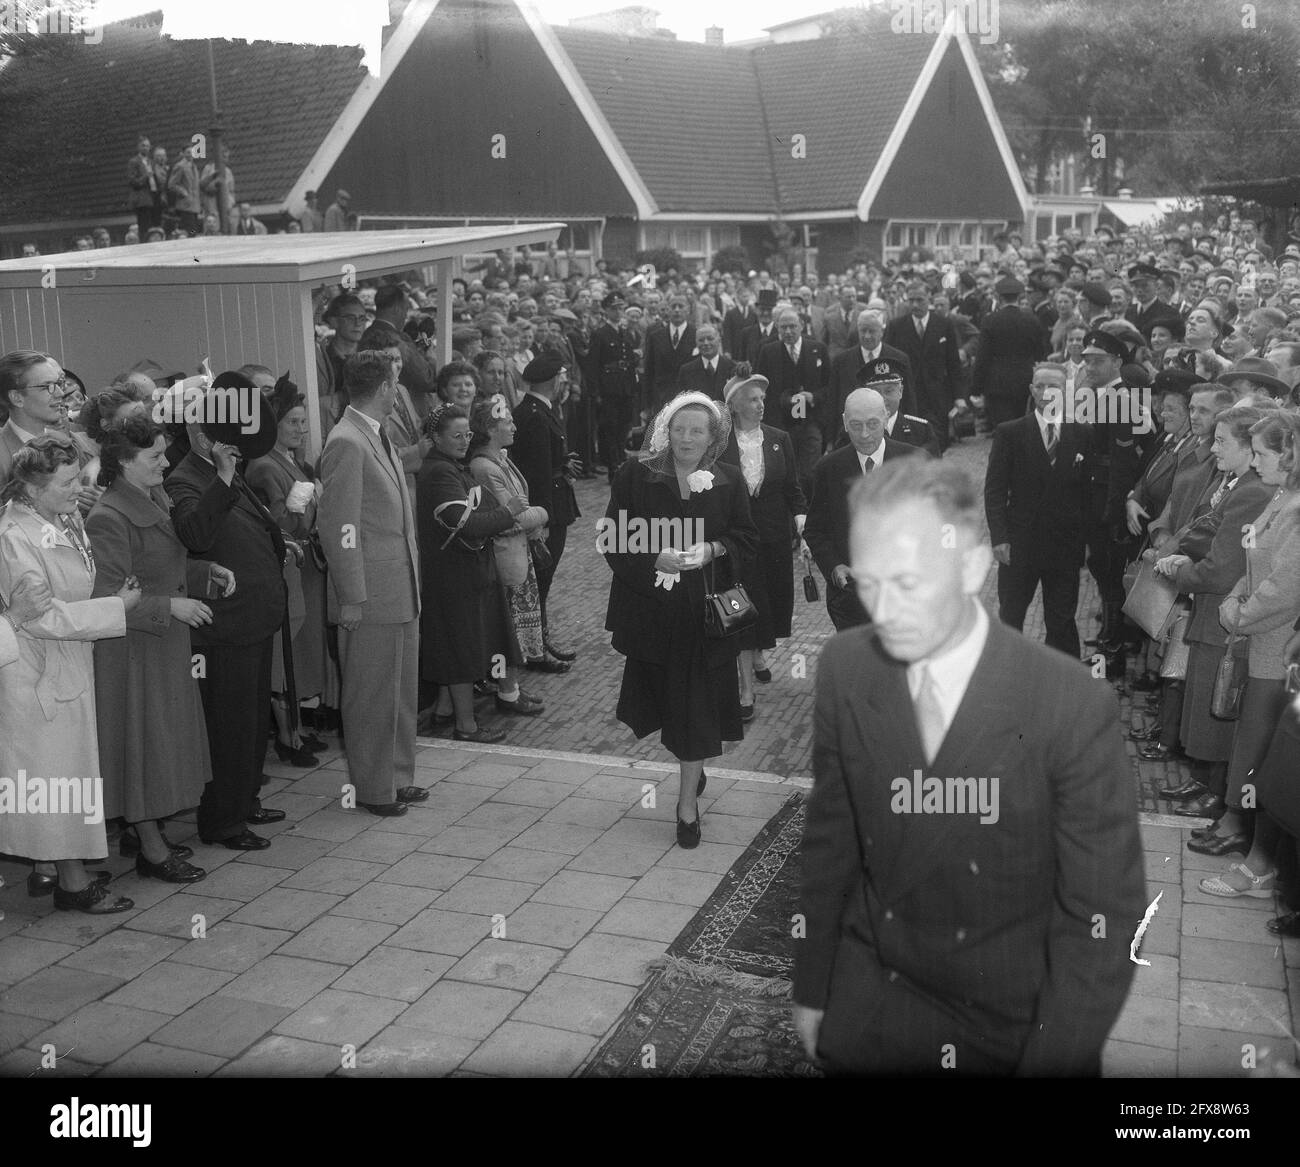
x: 711, y: 370
x: 798, y: 374
x: 852, y: 368
x: 737, y: 319
x: 367, y: 531
x: 218, y: 517
x: 840, y: 322
x: 826, y: 530
x: 761, y: 331
x: 1033, y: 498
x: 932, y: 347
x: 972, y: 865
x: 668, y: 346
x: 542, y: 456
x: 1011, y: 340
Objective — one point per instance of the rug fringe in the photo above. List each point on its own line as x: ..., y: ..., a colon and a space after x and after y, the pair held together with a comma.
x: 677, y: 969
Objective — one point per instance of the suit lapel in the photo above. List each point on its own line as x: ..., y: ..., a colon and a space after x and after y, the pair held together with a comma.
x: 376, y: 446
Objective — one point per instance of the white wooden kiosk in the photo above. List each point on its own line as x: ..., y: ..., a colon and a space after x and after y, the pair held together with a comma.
x: 231, y: 299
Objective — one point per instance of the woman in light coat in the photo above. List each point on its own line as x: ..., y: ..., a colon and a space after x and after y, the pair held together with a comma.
x: 47, y: 697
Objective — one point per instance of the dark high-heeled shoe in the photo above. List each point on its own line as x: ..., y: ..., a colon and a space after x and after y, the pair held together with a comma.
x: 295, y: 757
x: 688, y: 834
x: 704, y: 781
x: 94, y: 900
x: 312, y: 744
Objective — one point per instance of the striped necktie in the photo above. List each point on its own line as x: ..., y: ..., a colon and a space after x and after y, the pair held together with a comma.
x: 1053, y: 440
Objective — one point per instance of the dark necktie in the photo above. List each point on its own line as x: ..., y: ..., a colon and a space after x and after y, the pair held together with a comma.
x: 388, y: 446
x: 1053, y: 440
x: 867, y: 464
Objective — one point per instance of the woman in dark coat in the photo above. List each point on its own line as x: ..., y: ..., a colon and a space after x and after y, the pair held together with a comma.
x: 1209, y: 578
x: 765, y: 457
x: 153, y: 745
x: 675, y: 679
x: 464, y: 620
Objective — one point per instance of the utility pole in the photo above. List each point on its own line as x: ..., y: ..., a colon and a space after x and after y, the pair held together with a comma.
x: 218, y: 147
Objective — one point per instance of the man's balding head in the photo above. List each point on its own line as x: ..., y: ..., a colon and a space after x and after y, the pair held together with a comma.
x: 865, y: 414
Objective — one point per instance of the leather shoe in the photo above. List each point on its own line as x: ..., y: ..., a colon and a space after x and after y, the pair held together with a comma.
x: 525, y: 706
x: 763, y: 675
x: 1205, y: 806
x: 1189, y: 789
x: 1220, y: 844
x: 244, y: 841
x: 747, y: 712
x: 388, y: 810
x: 483, y: 735
x: 128, y: 846
x: 170, y: 870
x: 688, y: 834
x: 412, y: 794
x: 544, y: 664
x: 1288, y: 925
x: 299, y: 757
x: 1157, y: 752
x: 1206, y: 832
x: 262, y: 815
x: 93, y: 899
x: 43, y: 885
x: 312, y: 744
x: 1148, y: 682
x: 564, y: 654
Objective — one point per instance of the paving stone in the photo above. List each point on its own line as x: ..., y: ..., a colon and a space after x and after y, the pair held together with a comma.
x: 340, y: 1018
x: 20, y: 956
x: 333, y: 824
x: 239, y: 881
x: 279, y: 1056
x: 148, y: 1060
x: 79, y: 929
x: 296, y: 807
x: 1127, y: 1059
x: 676, y: 886
x: 531, y: 792
x: 1204, y: 959
x: 647, y: 919
x: 286, y: 908
x: 583, y: 889
x: 553, y: 924
x: 461, y: 1009
x: 1159, y: 979
x: 580, y: 1004
x: 708, y: 856
x: 490, y: 897
x: 1220, y: 1053
x: 649, y: 834
x: 1224, y: 923
x: 232, y: 947
x: 616, y: 859
x: 467, y: 842
x: 445, y: 757
x: 376, y: 846
x: 494, y: 774
x: 27, y: 1063
x: 420, y: 821
x: 612, y: 788
x: 438, y: 872
x: 570, y: 773
x: 15, y: 1030
x: 562, y: 838
x: 289, y: 850
x: 501, y: 816
x: 506, y: 964
x: 286, y: 981
x: 335, y: 875
x: 435, y: 930
x: 1148, y: 1021
x: 386, y: 903
x: 55, y: 992
x: 586, y: 812
x: 522, y: 864
x: 731, y: 828
x: 403, y: 1052
x: 123, y: 954
x: 180, y: 915
x: 401, y: 973
x: 339, y: 939
x: 327, y: 782
x: 457, y: 798
x: 1212, y: 1005
x: 170, y: 987
x: 750, y: 803
x: 100, y: 1032
x: 612, y: 958
x: 1162, y: 866
x: 1167, y: 839
x: 535, y: 1051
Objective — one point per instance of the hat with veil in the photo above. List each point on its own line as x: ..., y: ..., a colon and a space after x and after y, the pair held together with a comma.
x: 657, y: 453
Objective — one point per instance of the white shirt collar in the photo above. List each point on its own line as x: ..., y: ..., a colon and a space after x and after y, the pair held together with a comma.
x: 1042, y: 426
x: 952, y: 670
x: 889, y: 424
x: 798, y: 347
x: 370, y: 421
x: 22, y: 433
x: 922, y: 323
x: 876, y: 458
x: 870, y: 354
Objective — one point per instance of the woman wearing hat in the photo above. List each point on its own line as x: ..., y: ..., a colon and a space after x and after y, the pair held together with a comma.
x: 765, y: 457
x: 153, y: 743
x: 676, y: 679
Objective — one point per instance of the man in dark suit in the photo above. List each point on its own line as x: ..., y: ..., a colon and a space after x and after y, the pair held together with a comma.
x: 1010, y: 342
x: 734, y: 323
x: 367, y: 527
x: 544, y: 460
x: 826, y: 530
x: 218, y: 517
x: 418, y: 376
x: 798, y: 374
x: 852, y: 368
x: 711, y: 370
x: 840, y: 322
x: 762, y: 331
x: 972, y: 864
x: 1147, y: 308
x: 668, y: 347
x: 932, y: 346
x: 1033, y: 497
x: 613, y: 364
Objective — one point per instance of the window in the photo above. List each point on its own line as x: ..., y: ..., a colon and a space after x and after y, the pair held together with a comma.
x: 956, y: 237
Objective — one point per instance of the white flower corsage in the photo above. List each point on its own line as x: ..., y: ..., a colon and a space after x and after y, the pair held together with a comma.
x: 699, y: 480
x: 1078, y: 458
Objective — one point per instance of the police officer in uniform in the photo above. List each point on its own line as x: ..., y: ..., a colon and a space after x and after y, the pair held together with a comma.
x: 885, y: 376
x: 614, y: 363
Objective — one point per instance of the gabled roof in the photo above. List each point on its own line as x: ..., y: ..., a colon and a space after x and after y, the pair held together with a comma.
x: 278, y: 102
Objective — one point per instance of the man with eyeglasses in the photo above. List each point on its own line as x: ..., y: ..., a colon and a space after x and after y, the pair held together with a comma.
x: 31, y: 387
x: 346, y: 314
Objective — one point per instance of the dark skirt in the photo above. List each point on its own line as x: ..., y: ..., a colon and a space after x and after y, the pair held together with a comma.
x: 465, y: 625
x: 1205, y: 738
x: 695, y: 708
x: 771, y: 586
x: 1262, y: 703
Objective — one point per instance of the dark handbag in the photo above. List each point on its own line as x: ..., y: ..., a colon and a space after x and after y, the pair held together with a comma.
x: 1173, y: 661
x: 810, y: 592
x: 1230, y: 679
x: 543, y: 561
x: 729, y: 612
x: 316, y: 551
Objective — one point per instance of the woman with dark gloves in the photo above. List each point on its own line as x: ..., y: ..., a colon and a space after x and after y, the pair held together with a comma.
x: 153, y: 742
x: 464, y: 620
x: 765, y: 457
x: 676, y: 679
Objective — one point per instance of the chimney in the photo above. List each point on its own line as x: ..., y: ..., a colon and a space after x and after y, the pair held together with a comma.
x: 713, y: 36
x: 1125, y: 192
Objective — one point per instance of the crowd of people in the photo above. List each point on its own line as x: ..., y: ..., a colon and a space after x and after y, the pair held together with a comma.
x: 403, y: 578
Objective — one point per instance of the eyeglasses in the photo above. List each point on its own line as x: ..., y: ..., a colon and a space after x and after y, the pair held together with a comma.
x: 56, y: 389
